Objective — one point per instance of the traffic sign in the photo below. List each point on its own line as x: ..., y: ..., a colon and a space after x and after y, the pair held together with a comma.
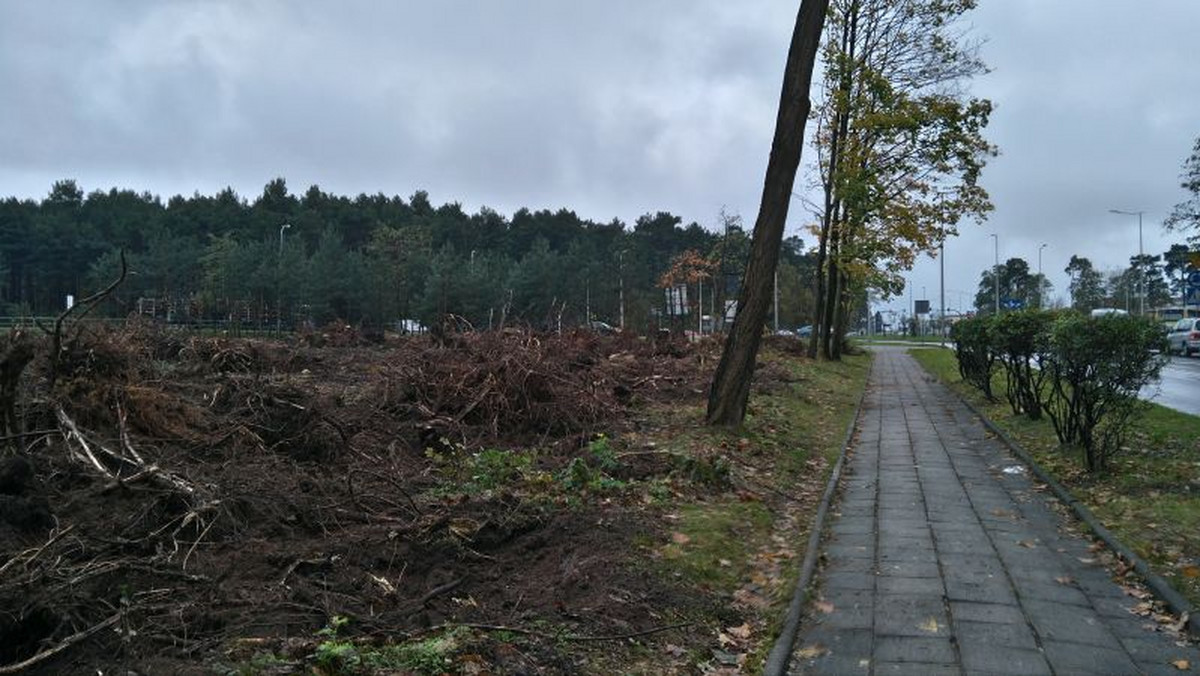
x: 1193, y: 278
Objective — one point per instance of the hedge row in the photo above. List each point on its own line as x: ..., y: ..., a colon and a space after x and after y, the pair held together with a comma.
x: 1083, y: 373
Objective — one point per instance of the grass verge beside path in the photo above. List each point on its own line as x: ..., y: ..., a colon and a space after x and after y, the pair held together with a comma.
x: 1151, y: 495
x: 739, y: 542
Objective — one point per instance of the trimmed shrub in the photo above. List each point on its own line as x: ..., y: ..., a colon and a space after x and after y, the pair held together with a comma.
x: 976, y: 356
x: 1097, y: 366
x: 1021, y: 341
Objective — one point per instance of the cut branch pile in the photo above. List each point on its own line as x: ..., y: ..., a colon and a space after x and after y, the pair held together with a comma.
x: 181, y: 492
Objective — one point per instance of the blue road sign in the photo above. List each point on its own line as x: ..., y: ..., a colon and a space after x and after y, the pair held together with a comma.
x: 1194, y: 278
x: 1012, y: 304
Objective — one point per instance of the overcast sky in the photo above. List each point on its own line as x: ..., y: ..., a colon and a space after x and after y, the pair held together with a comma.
x: 612, y: 108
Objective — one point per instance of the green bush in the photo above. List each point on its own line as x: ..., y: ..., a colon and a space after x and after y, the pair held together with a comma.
x: 1021, y: 342
x: 1097, y: 366
x: 976, y: 356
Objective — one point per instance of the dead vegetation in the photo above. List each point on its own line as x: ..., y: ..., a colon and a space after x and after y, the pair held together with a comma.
x: 173, y: 503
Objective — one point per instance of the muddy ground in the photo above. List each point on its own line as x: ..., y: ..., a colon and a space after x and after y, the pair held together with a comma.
x: 175, y: 504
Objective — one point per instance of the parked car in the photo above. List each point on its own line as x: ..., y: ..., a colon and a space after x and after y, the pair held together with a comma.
x: 1184, y: 338
x: 804, y: 331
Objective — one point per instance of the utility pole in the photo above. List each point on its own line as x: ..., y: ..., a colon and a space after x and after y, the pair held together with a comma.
x: 621, y: 289
x: 942, y: 283
x: 279, y: 281
x: 1141, y: 263
x: 996, y: 270
x: 1040, y: 282
x: 776, y: 300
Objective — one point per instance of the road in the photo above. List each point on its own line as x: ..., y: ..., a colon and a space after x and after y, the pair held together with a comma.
x: 1180, y: 386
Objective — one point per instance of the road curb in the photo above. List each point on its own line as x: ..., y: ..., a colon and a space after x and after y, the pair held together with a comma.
x: 1161, y: 588
x: 781, y: 653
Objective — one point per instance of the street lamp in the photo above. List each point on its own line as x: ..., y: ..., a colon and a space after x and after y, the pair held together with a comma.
x: 1141, y: 264
x: 1040, y: 282
x: 996, y: 270
x: 283, y: 227
x: 942, y: 284
x: 278, y: 281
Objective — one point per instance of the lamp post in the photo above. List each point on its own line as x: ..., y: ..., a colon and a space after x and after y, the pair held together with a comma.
x: 996, y: 270
x: 1041, y: 284
x: 1141, y: 263
x: 278, y: 281
x: 942, y: 285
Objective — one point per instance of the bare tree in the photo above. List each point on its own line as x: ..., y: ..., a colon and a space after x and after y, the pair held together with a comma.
x: 731, y: 385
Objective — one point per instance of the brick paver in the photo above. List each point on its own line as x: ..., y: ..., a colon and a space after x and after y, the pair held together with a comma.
x: 943, y: 558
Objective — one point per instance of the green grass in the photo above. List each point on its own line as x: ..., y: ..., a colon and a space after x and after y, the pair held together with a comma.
x: 896, y: 338
x: 788, y: 444
x: 1150, y: 497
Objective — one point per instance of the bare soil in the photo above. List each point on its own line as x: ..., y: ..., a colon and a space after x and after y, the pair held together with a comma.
x: 173, y: 504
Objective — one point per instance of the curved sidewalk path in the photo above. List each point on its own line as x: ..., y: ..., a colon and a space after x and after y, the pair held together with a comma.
x: 944, y: 558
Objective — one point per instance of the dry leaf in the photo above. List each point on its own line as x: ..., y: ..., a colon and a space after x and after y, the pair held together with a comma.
x: 1182, y: 665
x: 931, y: 625
x: 680, y: 538
x: 824, y: 606
x: 809, y: 652
x: 1191, y: 571
x: 742, y: 631
x: 724, y: 563
x: 1064, y: 579
x: 1028, y: 544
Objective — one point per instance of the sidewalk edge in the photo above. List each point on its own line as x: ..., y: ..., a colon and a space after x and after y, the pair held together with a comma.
x: 1161, y: 588
x: 780, y: 656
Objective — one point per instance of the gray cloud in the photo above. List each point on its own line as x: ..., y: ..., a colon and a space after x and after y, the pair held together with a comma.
x: 610, y: 108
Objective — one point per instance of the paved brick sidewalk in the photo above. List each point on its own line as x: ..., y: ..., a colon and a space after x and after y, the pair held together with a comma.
x: 943, y: 558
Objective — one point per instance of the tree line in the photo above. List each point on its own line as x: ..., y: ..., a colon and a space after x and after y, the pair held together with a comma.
x: 1161, y: 277
x: 372, y: 258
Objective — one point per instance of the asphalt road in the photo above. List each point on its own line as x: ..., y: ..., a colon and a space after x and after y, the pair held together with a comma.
x: 1180, y: 386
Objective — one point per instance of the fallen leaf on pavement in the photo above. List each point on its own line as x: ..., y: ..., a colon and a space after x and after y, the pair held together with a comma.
x: 1182, y: 665
x: 931, y: 625
x: 1064, y: 579
x: 1028, y: 544
x: 824, y: 606
x: 809, y: 652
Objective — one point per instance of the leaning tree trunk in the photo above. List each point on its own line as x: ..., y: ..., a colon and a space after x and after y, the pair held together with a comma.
x: 731, y: 384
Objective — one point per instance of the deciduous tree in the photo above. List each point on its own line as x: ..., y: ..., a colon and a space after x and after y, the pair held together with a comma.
x: 730, y: 390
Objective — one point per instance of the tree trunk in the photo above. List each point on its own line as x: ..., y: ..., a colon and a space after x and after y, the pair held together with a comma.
x: 730, y: 389
x: 831, y: 292
x: 841, y: 129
